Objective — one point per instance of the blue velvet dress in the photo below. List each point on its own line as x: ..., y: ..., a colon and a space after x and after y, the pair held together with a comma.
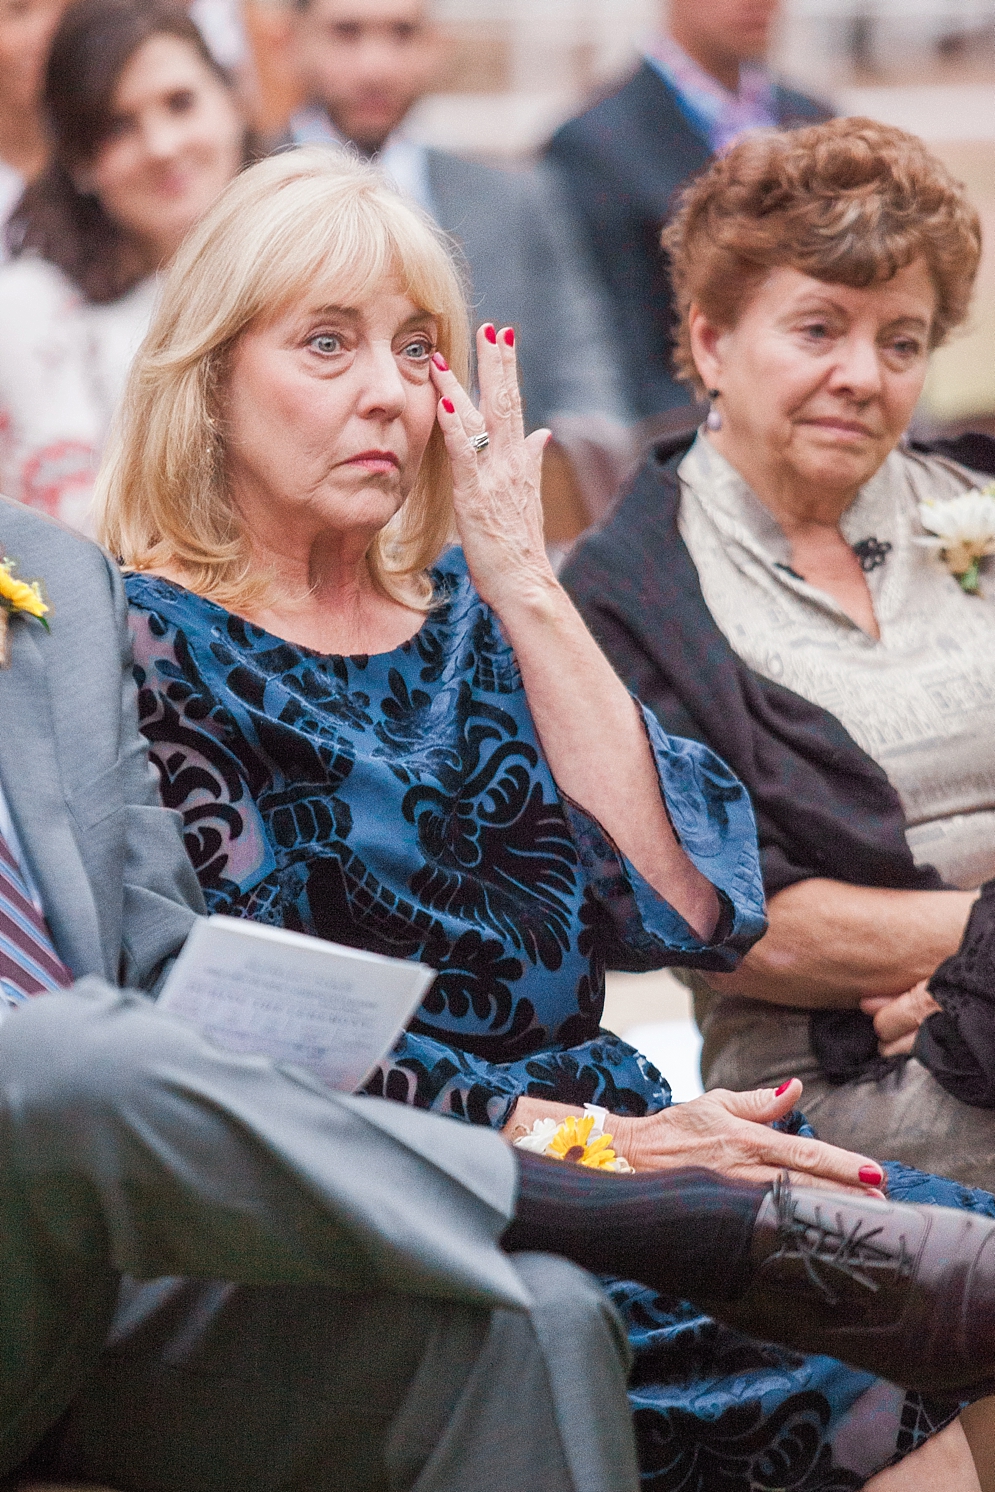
x: 402, y: 803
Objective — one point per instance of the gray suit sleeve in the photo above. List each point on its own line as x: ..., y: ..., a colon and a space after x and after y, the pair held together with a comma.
x: 161, y: 891
x: 132, y: 1145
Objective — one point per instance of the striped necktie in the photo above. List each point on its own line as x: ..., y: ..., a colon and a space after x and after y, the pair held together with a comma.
x: 29, y: 964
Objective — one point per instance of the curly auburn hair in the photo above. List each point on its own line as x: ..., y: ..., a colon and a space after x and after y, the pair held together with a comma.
x: 849, y: 202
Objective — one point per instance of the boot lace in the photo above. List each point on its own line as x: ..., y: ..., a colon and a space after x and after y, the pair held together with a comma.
x: 831, y: 1252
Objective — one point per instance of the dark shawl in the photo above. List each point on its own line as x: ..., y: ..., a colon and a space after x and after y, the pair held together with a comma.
x: 958, y: 1044
x: 823, y: 806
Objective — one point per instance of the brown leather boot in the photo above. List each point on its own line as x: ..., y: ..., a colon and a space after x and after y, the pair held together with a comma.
x: 905, y: 1292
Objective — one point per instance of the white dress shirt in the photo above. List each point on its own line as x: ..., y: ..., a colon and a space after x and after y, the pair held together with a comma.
x: 9, y: 833
x: 403, y: 161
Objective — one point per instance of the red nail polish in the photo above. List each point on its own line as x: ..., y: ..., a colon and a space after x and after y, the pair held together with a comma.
x: 440, y: 362
x: 449, y: 406
x: 509, y: 337
x: 783, y: 1088
x: 871, y: 1175
x: 490, y: 334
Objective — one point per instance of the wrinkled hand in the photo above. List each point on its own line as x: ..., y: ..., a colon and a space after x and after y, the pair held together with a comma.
x: 728, y: 1132
x: 495, y: 492
x: 897, y: 1018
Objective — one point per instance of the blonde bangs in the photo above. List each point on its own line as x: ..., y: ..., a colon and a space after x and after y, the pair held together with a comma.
x: 283, y: 229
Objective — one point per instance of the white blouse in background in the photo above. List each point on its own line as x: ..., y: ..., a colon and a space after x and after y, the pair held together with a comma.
x: 921, y: 701
x: 63, y: 363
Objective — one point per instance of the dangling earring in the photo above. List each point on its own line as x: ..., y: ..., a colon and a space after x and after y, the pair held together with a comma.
x: 713, y: 420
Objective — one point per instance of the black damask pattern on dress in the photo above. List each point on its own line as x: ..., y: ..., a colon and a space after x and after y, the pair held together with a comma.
x: 742, y: 1448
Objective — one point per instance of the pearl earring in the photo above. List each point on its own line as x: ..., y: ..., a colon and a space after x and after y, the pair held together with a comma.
x: 713, y: 420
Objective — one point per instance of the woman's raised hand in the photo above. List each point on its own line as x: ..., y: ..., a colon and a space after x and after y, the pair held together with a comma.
x: 729, y: 1133
x: 496, y: 490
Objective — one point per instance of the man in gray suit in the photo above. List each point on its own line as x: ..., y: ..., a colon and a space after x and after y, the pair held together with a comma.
x: 364, y: 64
x: 377, y: 1336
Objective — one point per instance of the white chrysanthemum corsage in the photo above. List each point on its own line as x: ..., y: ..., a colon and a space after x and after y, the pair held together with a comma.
x: 962, y: 531
x: 582, y: 1141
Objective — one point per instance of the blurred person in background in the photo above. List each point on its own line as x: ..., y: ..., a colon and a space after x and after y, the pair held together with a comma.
x: 145, y: 131
x: 703, y: 80
x: 364, y: 65
x: 26, y: 28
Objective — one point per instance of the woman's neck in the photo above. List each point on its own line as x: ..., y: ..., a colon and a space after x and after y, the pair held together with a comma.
x: 809, y: 517
x: 323, y: 596
x: 795, y: 502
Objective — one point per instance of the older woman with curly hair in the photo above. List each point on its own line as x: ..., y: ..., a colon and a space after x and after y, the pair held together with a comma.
x: 768, y: 586
x: 419, y: 750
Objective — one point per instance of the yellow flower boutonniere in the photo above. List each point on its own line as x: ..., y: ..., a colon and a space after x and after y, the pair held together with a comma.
x: 17, y: 598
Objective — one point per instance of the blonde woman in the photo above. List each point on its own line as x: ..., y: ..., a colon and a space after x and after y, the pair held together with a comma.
x: 421, y: 752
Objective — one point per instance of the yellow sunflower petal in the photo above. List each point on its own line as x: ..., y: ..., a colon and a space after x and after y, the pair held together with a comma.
x: 571, y: 1133
x: 20, y: 595
x: 597, y: 1160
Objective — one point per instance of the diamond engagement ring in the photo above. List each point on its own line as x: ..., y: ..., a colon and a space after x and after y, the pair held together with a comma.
x: 480, y: 442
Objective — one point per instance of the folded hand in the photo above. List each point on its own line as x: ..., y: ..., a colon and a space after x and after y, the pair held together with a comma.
x: 897, y: 1018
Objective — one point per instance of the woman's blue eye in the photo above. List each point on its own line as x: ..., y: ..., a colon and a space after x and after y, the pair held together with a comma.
x: 418, y: 349
x: 326, y: 343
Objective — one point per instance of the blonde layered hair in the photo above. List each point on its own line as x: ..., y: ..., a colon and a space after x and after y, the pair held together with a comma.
x: 307, y: 218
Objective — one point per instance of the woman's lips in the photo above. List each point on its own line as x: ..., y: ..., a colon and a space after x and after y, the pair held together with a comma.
x: 379, y: 461
x: 852, y: 428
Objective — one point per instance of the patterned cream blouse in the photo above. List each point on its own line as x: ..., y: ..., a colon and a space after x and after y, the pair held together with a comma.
x: 921, y: 701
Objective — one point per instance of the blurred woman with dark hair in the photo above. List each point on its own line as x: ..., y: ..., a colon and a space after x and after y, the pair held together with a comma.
x: 146, y: 130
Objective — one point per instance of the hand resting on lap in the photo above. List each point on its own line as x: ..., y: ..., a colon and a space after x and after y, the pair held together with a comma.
x: 725, y: 1132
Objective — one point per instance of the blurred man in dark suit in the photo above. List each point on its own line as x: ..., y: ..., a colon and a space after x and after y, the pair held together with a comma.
x: 364, y: 64
x: 702, y: 82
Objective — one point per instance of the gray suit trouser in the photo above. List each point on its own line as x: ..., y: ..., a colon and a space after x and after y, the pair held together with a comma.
x: 376, y: 1338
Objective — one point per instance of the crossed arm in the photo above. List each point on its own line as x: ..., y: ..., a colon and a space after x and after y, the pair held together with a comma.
x: 834, y: 945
